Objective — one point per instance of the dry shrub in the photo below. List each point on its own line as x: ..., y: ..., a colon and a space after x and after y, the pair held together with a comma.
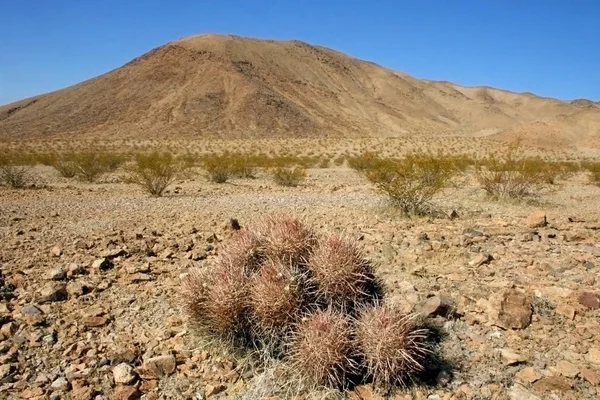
x: 286, y: 239
x: 593, y: 169
x: 511, y: 177
x: 391, y: 347
x: 289, y: 176
x: 340, y: 273
x: 15, y: 170
x: 91, y: 165
x: 321, y: 350
x: 276, y: 300
x: 154, y: 172
x: 215, y: 300
x: 217, y: 167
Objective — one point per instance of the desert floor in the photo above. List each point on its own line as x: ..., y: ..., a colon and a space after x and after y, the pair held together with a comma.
x: 68, y: 319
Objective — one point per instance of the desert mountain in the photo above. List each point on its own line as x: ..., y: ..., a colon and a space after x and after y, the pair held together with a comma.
x: 228, y: 86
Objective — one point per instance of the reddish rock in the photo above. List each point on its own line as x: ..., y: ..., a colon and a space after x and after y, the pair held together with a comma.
x: 591, y: 376
x: 536, y: 219
x: 157, y: 367
x: 126, y: 393
x: 515, y: 310
x: 589, y: 300
x: 94, y: 322
x: 551, y: 384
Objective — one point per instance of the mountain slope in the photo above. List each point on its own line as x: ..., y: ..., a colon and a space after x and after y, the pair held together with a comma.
x: 229, y: 86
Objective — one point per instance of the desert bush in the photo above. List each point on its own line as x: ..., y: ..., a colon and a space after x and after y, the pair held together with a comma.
x: 511, y: 177
x: 321, y: 350
x: 391, y: 345
x: 411, y: 182
x: 364, y: 162
x: 288, y: 176
x: 154, y: 172
x: 91, y: 165
x: 341, y: 274
x: 593, y: 169
x: 15, y: 170
x: 241, y: 165
x: 339, y: 161
x: 217, y: 167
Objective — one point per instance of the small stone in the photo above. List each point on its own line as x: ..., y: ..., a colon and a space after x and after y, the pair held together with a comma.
x: 6, y: 370
x: 567, y: 369
x: 515, y: 310
x: 588, y: 265
x: 511, y: 358
x: 536, y: 219
x: 367, y: 392
x: 454, y: 214
x: 157, y: 367
x: 94, y: 321
x: 32, y: 314
x: 53, y: 292
x: 56, y: 251
x: 32, y: 393
x: 234, y: 224
x: 438, y: 305
x: 594, y: 355
x: 528, y: 375
x: 123, y: 374
x: 566, y: 311
x: 211, y: 390
x: 480, y: 260
x: 550, y: 384
x: 126, y: 393
x: 472, y: 232
x: 518, y: 392
x: 590, y: 376
x: 148, y: 386
x: 61, y: 384
x: 56, y: 274
x: 102, y: 264
x: 589, y: 300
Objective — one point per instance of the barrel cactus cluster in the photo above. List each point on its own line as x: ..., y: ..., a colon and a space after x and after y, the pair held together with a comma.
x: 311, y: 301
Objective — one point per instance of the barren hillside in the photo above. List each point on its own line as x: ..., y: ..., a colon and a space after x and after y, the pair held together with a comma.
x: 229, y: 86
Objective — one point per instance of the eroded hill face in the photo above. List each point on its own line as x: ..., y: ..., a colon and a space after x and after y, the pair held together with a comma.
x: 228, y: 86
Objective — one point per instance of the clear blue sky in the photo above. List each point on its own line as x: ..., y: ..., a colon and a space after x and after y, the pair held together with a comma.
x: 548, y: 47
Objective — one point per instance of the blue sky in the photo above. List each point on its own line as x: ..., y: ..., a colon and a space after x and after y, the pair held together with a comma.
x: 548, y: 47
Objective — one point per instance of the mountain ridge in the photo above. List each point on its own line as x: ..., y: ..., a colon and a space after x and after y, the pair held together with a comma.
x: 230, y: 86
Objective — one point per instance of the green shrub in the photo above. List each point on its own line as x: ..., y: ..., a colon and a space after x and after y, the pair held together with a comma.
x: 411, y: 182
x: 91, y: 165
x: 154, y: 172
x: 593, y: 169
x: 288, y: 176
x: 217, y: 167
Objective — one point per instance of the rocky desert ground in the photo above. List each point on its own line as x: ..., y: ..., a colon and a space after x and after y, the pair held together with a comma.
x: 91, y: 278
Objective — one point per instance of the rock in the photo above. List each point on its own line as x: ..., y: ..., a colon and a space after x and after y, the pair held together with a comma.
x: 588, y: 265
x: 53, y: 292
x: 32, y: 314
x: 82, y: 390
x: 518, y: 392
x: 148, y: 386
x: 126, y: 393
x: 6, y: 370
x: 472, y: 232
x: 94, y: 321
x: 480, y: 260
x: 536, y: 219
x: 550, y: 384
x: 567, y: 369
x: 157, y: 367
x: 138, y: 268
x: 590, y: 376
x: 60, y: 384
x: 594, y: 355
x: 566, y: 311
x: 528, y: 375
x: 102, y: 264
x: 74, y: 269
x: 454, y: 214
x: 32, y: 393
x: 366, y: 392
x: 515, y: 310
x: 234, y: 224
x: 511, y: 358
x: 211, y: 390
x: 56, y: 274
x: 123, y: 374
x: 56, y: 251
x: 438, y: 305
x: 589, y: 300
x: 114, y: 253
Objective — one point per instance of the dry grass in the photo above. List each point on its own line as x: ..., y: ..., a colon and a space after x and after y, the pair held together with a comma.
x: 321, y: 351
x: 15, y: 170
x: 391, y: 346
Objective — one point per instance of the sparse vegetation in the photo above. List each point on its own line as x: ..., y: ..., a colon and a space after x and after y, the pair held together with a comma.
x: 154, y: 172
x: 289, y: 176
x: 410, y: 182
x: 15, y: 170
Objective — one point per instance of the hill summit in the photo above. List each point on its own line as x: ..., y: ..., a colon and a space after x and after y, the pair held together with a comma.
x: 234, y: 87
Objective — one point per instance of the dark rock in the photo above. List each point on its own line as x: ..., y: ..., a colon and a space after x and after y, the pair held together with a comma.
x: 589, y: 300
